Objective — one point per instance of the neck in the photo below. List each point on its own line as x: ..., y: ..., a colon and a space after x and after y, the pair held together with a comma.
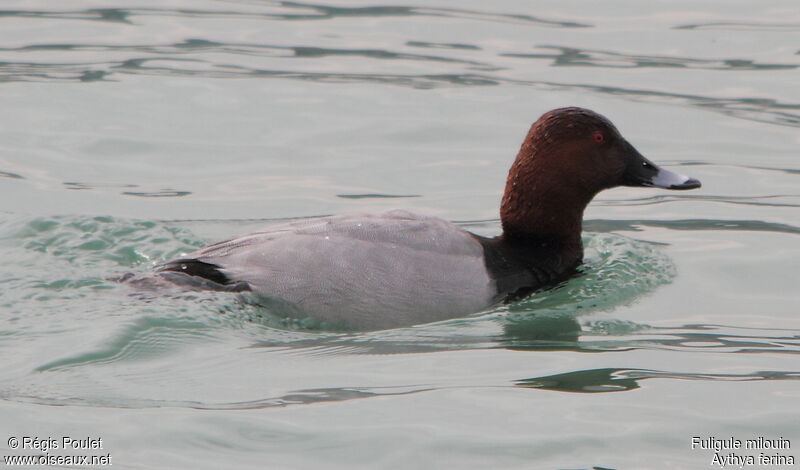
x: 547, y: 219
x: 535, y: 211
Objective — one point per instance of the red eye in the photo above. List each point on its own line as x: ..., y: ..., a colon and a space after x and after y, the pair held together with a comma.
x: 598, y: 137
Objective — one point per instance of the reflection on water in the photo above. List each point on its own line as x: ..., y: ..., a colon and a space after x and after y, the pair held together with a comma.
x: 743, y: 26
x: 691, y: 224
x: 375, y: 196
x: 294, y: 397
x: 166, y: 192
x: 623, y: 336
x: 454, y: 64
x: 574, y: 57
x: 146, y: 337
x: 288, y: 11
x: 151, y: 336
x: 756, y: 109
x: 773, y: 200
x: 696, y: 338
x: 544, y: 332
x: 581, y: 381
x: 620, y: 380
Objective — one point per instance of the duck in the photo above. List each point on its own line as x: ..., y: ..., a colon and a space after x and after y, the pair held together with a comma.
x: 398, y: 269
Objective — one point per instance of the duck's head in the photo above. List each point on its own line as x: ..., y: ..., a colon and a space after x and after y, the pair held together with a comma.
x: 568, y: 156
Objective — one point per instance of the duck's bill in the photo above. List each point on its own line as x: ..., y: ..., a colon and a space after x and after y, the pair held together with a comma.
x: 669, y: 180
x: 642, y: 172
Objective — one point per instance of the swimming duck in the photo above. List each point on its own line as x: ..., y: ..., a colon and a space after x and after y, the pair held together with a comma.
x: 377, y: 271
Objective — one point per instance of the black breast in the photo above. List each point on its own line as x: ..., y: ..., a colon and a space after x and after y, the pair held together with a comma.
x: 521, y: 267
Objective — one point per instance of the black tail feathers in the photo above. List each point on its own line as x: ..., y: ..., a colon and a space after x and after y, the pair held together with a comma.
x: 200, y: 269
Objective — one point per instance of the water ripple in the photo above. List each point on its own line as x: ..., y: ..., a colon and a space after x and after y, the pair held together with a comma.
x: 627, y: 225
x: 470, y: 65
x: 546, y: 332
x: 691, y: 224
x: 312, y: 12
x: 195, y: 46
x: 614, y: 335
x: 621, y: 380
x: 114, y: 15
x: 600, y: 380
x: 291, y: 398
x: 578, y: 57
x: 147, y: 337
x: 736, y: 200
x: 730, y: 26
x: 766, y: 110
x: 161, y: 193
x: 8, y: 174
x: 376, y: 196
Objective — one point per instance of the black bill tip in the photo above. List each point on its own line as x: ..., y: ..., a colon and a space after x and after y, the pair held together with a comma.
x: 690, y: 183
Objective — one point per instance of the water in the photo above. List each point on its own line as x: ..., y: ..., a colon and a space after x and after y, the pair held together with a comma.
x: 134, y: 132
